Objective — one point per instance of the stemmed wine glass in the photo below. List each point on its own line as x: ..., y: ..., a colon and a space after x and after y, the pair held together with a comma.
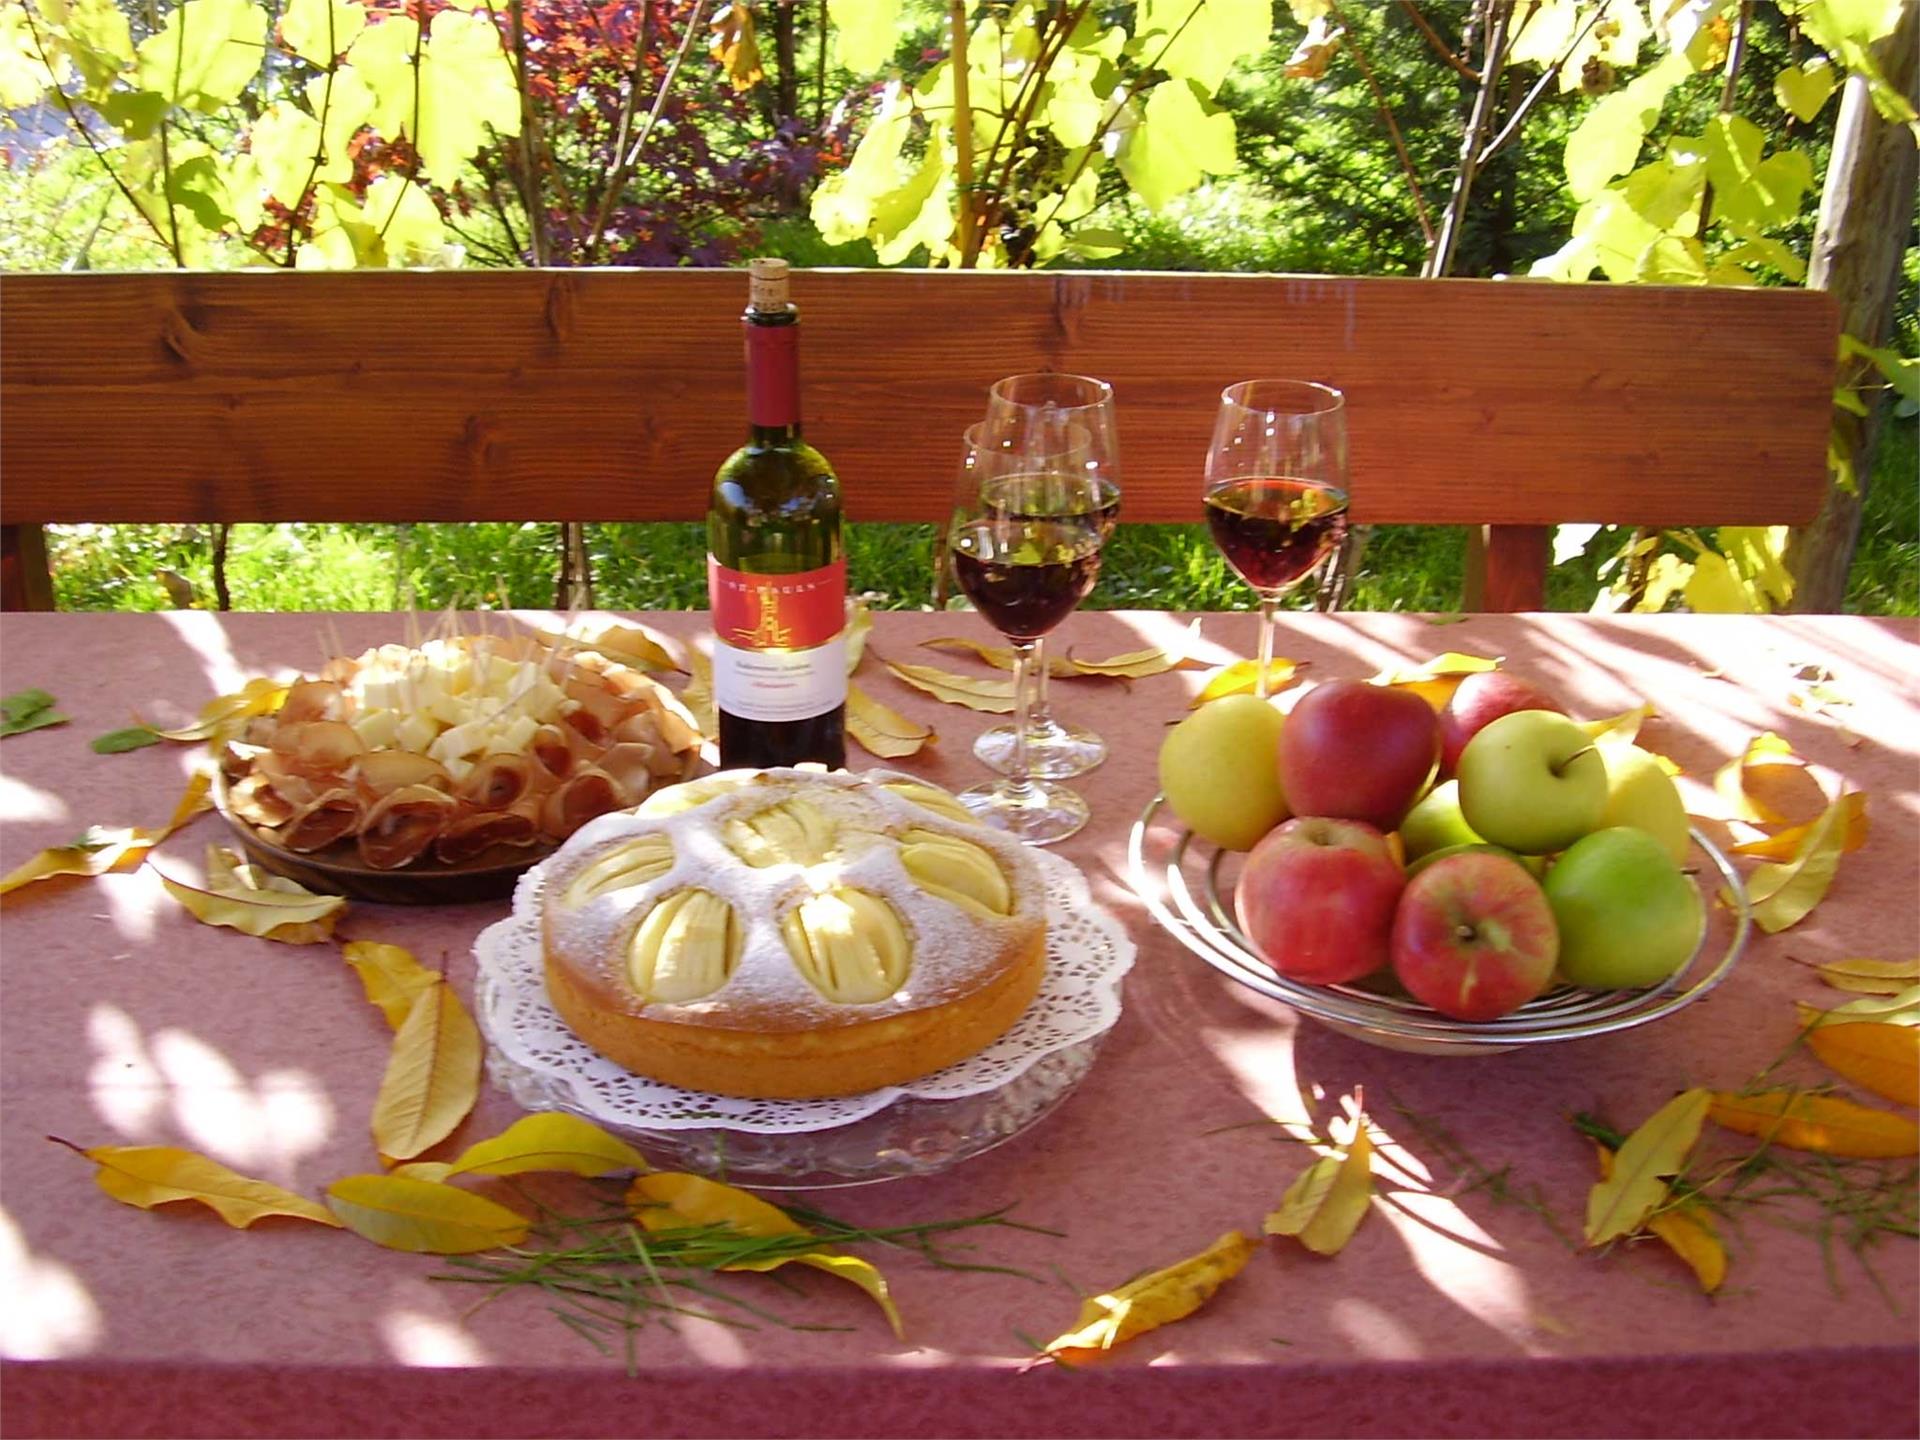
x: 1025, y: 550
x: 1276, y: 488
x: 1040, y: 425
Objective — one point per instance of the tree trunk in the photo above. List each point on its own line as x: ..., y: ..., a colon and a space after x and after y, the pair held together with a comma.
x: 1866, y: 212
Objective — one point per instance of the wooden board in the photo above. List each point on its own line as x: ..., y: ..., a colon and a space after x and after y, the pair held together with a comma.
x: 612, y: 395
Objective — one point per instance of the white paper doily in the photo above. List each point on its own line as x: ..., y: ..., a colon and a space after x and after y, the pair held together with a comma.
x: 900, y: 1130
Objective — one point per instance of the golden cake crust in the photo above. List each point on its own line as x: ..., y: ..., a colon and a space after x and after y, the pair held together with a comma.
x: 790, y: 934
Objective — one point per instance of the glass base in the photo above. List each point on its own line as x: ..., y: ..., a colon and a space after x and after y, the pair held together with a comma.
x: 1040, y: 814
x: 1054, y: 751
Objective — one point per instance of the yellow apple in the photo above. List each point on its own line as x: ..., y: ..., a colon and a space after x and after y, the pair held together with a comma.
x: 1220, y: 771
x: 1641, y: 794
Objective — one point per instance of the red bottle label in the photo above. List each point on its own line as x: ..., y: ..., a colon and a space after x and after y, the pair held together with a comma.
x: 773, y: 375
x: 777, y: 612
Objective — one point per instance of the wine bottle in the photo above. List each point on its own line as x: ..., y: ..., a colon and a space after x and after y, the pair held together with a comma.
x: 776, y: 571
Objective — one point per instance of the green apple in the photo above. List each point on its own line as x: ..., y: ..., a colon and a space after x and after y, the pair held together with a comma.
x: 1436, y: 823
x: 1220, y: 771
x: 1641, y: 794
x: 1628, y: 915
x: 1534, y: 865
x: 1532, y: 781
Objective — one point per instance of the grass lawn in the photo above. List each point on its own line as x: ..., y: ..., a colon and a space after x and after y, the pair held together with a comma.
x: 663, y: 567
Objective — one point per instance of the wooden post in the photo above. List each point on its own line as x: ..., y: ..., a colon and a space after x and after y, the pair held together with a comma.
x: 1866, y: 211
x: 25, y: 581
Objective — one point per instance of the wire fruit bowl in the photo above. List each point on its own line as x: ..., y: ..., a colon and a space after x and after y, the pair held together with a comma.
x: 1187, y: 885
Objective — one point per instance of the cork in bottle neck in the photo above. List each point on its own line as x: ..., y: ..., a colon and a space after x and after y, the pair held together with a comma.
x: 767, y: 285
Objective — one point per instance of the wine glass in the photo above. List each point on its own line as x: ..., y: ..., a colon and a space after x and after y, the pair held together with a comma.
x: 1041, y: 424
x: 1276, y: 495
x: 1025, y: 550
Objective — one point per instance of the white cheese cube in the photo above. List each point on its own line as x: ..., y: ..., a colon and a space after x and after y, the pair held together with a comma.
x: 416, y: 732
x: 515, y: 734
x: 377, y: 728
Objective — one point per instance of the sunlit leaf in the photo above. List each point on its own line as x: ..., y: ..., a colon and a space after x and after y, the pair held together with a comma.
x: 226, y: 714
x: 1201, y: 41
x: 150, y: 1175
x: 1000, y: 657
x: 1784, y: 844
x: 864, y: 32
x: 993, y: 696
x: 1174, y: 144
x: 1871, y: 977
x: 1621, y: 729
x: 1754, y: 786
x: 1902, y: 1007
x: 1326, y: 1204
x: 549, y: 1142
x: 1879, y: 1057
x: 629, y: 644
x: 119, y: 742
x: 433, y: 1075
x: 1139, y: 664
x: 735, y: 46
x: 243, y: 898
x: 205, y: 54
x: 1607, y: 140
x: 697, y: 693
x: 393, y: 979
x: 881, y: 730
x: 460, y: 95
x: 1784, y: 895
x: 671, y: 1200
x: 1823, y: 1123
x: 1621, y: 1203
x: 1153, y: 1300
x: 102, y: 849
x: 1239, y: 679
x: 26, y: 710
x: 1687, y: 1231
x: 405, y: 1213
x: 1313, y: 52
x: 859, y: 627
x: 322, y: 30
x: 1750, y: 191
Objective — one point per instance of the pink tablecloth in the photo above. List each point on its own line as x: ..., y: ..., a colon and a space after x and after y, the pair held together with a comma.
x: 1453, y: 1311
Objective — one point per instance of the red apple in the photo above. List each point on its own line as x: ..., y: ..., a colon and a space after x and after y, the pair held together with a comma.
x: 1474, y: 936
x: 1358, y: 752
x: 1316, y: 898
x: 1477, y: 701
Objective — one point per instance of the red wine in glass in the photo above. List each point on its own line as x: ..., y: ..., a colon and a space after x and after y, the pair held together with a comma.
x: 1274, y: 529
x: 1026, y: 576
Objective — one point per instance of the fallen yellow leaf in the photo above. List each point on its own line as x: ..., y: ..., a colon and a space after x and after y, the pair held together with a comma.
x: 150, y: 1175
x: 433, y: 1075
x: 881, y: 730
x: 1238, y: 678
x: 551, y: 1141
x: 1059, y: 667
x: 629, y: 644
x: 1822, y: 1123
x: 697, y: 693
x: 1636, y: 1187
x: 1784, y: 895
x: 1871, y: 977
x: 245, y: 898
x: 1139, y: 664
x: 1763, y: 783
x: 995, y: 697
x: 227, y: 714
x: 1686, y: 1230
x: 859, y: 627
x: 1621, y: 729
x: 670, y: 1200
x: 1782, y: 844
x: 1326, y: 1204
x: 1153, y: 1300
x: 102, y: 849
x: 1879, y: 1057
x: 423, y: 1216
x: 393, y: 979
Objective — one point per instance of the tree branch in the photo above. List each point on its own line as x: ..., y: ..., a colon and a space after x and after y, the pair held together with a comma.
x: 1736, y: 53
x: 625, y: 168
x: 1440, y: 47
x: 1533, y: 97
x: 1440, y: 255
x: 1393, y: 126
x: 962, y: 130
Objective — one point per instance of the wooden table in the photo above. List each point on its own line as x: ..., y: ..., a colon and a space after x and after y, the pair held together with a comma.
x: 1453, y: 1311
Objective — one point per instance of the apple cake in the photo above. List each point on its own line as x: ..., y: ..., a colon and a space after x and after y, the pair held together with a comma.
x: 791, y: 934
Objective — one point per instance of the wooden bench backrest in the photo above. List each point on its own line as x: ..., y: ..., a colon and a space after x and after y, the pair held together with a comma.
x: 610, y: 395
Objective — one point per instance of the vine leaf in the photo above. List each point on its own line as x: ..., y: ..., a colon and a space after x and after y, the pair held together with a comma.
x: 735, y: 46
x: 311, y: 32
x: 1175, y: 143
x: 1152, y: 1300
x: 670, y: 1200
x: 881, y: 730
x: 205, y: 55
x: 432, y: 1078
x: 1875, y: 1055
x: 1636, y: 1186
x: 245, y: 898
x: 1326, y: 1204
x: 102, y: 849
x: 465, y: 88
x: 392, y: 978
x: 549, y: 1142
x: 150, y: 1175
x: 403, y: 1212
x: 1825, y: 1124
x: 1203, y: 37
x: 864, y: 32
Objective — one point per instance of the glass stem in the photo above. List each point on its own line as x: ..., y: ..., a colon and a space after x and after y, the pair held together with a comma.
x: 1269, y: 607
x: 1020, y: 786
x: 1041, y: 714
